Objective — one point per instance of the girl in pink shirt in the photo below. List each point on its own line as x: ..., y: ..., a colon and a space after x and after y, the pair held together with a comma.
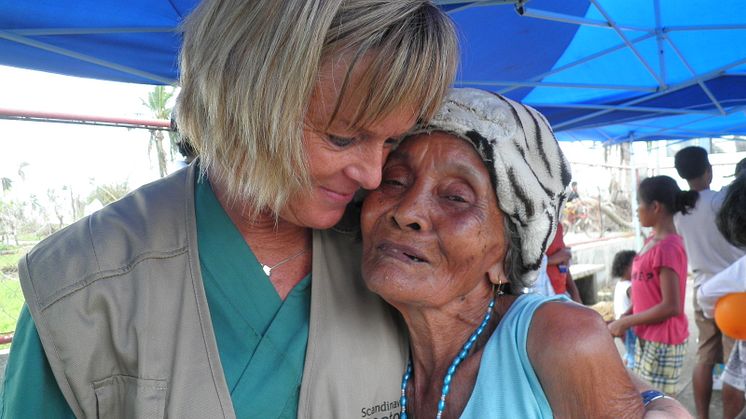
x: 659, y: 285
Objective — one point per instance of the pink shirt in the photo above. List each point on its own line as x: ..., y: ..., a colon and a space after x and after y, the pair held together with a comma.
x: 646, y: 289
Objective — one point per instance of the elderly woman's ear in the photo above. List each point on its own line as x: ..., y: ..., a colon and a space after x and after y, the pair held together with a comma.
x: 496, y: 274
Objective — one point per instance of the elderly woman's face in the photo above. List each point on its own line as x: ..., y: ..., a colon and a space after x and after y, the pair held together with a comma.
x: 341, y: 158
x: 432, y: 230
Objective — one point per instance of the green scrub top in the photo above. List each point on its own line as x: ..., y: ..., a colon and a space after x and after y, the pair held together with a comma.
x: 261, y: 338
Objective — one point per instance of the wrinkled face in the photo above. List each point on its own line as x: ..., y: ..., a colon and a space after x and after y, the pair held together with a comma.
x: 433, y: 229
x: 342, y: 158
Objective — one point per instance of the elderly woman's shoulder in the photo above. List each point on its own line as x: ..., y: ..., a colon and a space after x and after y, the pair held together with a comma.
x: 570, y: 347
x: 568, y: 325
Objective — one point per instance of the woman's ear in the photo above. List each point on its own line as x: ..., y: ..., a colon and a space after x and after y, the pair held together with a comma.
x: 657, y: 207
x: 496, y: 274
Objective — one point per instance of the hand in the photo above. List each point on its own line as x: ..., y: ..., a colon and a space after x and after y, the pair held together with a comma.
x: 617, y: 328
x: 560, y: 257
x: 666, y: 408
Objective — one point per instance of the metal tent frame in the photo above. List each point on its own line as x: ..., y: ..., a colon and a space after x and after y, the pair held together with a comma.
x: 648, y: 107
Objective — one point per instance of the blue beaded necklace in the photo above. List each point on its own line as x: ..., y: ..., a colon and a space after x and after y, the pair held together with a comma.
x: 451, y: 370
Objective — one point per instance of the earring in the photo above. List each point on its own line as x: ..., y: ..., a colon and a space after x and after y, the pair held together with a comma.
x: 501, y: 289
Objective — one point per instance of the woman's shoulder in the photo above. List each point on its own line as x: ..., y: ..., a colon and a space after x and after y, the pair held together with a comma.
x: 674, y: 239
x: 567, y: 325
x: 570, y: 346
x: 672, y: 244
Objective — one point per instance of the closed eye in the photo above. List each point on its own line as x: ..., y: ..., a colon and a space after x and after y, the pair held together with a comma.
x: 341, y: 141
x: 392, y: 182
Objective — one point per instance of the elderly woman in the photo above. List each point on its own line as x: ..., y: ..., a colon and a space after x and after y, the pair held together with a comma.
x: 192, y: 297
x: 452, y: 236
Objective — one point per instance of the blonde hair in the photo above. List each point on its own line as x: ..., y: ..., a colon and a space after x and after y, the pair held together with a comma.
x: 248, y: 69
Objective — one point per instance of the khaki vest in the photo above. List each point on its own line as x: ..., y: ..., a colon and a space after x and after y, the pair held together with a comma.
x: 119, y: 304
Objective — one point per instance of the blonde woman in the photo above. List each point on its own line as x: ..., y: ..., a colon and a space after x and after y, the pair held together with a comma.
x: 192, y: 297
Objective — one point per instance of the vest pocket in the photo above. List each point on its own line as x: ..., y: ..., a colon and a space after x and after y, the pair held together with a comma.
x: 125, y: 397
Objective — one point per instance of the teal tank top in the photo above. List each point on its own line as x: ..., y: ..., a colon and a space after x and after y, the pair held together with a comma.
x: 507, y: 385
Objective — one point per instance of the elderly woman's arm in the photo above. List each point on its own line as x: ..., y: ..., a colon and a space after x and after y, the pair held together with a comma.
x: 581, y: 371
x: 579, y: 366
x: 663, y: 408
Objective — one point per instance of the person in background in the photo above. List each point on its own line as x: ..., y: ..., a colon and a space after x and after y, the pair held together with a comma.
x: 621, y: 268
x: 191, y: 297
x: 659, y: 286
x: 558, y: 267
x: 740, y: 167
x: 573, y: 195
x: 731, y: 222
x: 542, y: 285
x: 708, y: 253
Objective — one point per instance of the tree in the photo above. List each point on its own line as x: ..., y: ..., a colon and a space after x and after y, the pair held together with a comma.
x: 158, y: 103
x: 106, y: 194
x: 7, y: 184
x: 10, y: 215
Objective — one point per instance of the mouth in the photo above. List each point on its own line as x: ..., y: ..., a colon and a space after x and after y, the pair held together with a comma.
x: 401, y: 252
x: 343, y: 197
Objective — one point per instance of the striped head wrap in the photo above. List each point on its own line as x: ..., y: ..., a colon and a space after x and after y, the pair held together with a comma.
x: 526, y: 166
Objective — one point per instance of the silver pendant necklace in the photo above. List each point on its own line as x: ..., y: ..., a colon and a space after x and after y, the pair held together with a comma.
x: 268, y: 269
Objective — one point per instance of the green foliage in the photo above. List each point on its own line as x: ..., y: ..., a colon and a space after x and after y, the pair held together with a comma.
x: 11, y: 301
x: 158, y: 103
x: 7, y: 183
x: 106, y: 194
x: 9, y: 257
x: 11, y: 296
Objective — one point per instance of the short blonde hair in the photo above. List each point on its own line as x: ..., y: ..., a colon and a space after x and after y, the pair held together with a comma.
x: 248, y: 69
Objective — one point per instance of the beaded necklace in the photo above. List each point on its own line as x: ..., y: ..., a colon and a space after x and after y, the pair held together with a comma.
x: 451, y: 370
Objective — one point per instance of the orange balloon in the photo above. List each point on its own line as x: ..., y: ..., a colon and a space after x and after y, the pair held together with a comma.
x: 730, y: 315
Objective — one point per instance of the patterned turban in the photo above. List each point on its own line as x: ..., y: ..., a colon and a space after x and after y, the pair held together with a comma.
x: 526, y: 166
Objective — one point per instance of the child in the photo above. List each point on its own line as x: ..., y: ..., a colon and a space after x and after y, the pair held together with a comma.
x: 558, y: 261
x: 621, y: 268
x: 659, y: 286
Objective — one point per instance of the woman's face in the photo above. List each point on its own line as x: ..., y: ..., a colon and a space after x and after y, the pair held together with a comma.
x: 646, y: 213
x: 342, y: 159
x: 432, y: 230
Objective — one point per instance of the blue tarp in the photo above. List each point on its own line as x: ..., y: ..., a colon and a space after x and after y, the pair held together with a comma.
x: 613, y: 70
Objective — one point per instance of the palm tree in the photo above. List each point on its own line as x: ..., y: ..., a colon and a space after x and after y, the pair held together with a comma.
x: 7, y: 183
x: 158, y: 104
x: 106, y: 194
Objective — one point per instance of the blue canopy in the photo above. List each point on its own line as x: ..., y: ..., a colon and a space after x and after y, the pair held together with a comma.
x: 614, y: 70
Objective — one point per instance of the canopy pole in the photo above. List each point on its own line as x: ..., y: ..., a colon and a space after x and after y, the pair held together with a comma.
x: 83, y: 57
x: 714, y: 73
x: 130, y: 123
x: 659, y: 39
x: 702, y: 85
x: 661, y: 82
x: 561, y: 85
x: 576, y: 20
x: 581, y: 61
x: 624, y: 108
x: 633, y: 194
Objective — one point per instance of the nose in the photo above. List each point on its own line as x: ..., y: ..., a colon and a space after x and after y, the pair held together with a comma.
x: 411, y: 213
x: 366, y: 170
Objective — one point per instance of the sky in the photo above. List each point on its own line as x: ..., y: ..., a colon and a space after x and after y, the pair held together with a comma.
x: 56, y: 154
